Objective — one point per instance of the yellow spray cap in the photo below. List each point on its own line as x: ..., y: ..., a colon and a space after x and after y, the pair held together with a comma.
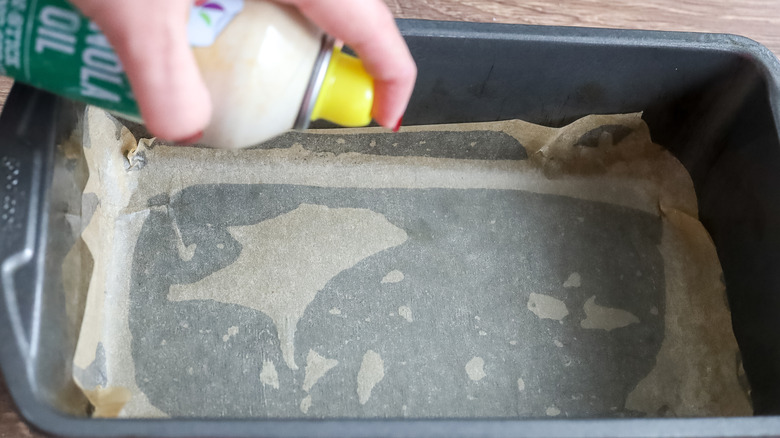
x: 347, y: 92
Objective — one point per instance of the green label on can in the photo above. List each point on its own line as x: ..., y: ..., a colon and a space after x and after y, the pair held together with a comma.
x: 49, y: 44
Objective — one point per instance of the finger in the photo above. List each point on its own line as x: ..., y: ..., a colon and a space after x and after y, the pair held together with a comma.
x: 369, y: 28
x: 150, y: 37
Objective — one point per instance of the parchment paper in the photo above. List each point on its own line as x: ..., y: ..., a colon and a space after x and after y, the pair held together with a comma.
x: 477, y: 270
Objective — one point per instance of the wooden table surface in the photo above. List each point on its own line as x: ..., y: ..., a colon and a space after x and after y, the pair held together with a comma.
x: 757, y: 19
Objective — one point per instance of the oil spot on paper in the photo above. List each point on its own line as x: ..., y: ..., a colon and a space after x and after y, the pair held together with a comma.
x: 268, y: 375
x: 574, y: 280
x: 293, y: 256
x: 475, y: 369
x: 605, y: 318
x: 316, y: 367
x: 406, y: 313
x: 547, y: 307
x: 372, y: 371
x: 393, y: 277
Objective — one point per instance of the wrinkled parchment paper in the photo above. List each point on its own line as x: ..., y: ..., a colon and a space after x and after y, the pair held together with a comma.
x: 477, y: 270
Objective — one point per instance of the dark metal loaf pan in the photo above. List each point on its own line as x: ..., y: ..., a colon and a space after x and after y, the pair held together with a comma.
x: 711, y: 99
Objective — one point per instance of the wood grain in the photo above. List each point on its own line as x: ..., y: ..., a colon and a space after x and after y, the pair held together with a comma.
x: 11, y: 425
x: 757, y: 19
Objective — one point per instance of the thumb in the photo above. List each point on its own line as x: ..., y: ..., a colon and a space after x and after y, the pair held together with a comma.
x: 150, y: 38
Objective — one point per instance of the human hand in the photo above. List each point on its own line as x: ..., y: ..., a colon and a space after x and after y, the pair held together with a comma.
x: 150, y: 37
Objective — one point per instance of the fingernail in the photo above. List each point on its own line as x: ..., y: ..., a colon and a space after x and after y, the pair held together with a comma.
x: 398, y: 125
x: 192, y: 140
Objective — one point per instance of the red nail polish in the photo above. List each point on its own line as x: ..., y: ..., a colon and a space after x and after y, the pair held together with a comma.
x: 398, y: 125
x: 192, y: 140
